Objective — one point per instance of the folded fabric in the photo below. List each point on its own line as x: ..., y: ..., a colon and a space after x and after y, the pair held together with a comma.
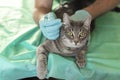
x: 19, y: 38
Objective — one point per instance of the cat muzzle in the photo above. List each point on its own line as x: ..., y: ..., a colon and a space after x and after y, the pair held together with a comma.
x: 76, y: 41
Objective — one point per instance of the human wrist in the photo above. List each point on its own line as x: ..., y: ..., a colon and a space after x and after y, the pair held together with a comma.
x: 90, y: 11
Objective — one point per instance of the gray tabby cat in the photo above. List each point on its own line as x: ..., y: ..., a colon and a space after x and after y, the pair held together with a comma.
x: 72, y: 42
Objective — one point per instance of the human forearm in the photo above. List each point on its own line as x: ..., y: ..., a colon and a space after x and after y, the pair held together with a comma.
x: 101, y: 6
x: 39, y: 13
x: 42, y: 7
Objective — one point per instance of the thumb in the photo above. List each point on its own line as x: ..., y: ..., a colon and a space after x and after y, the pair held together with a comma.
x: 51, y: 16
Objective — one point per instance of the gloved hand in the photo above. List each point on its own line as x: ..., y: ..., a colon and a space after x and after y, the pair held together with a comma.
x: 50, y: 26
x: 81, y: 15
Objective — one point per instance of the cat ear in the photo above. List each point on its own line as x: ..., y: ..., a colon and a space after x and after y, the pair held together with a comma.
x: 66, y: 19
x: 87, y: 22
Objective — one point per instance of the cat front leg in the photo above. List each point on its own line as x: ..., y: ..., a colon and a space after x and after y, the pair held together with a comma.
x: 80, y: 58
x: 41, y: 62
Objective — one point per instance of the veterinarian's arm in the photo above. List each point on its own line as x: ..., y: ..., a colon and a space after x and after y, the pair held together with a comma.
x: 42, y: 7
x: 101, y: 6
x: 49, y: 25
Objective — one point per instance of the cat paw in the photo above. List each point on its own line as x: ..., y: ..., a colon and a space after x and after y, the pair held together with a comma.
x: 42, y: 75
x: 81, y: 63
x: 42, y: 66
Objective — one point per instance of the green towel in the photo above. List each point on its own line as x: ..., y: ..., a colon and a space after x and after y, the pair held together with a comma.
x: 19, y: 37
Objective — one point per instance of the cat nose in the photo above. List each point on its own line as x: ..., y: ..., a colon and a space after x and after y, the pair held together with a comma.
x: 76, y: 41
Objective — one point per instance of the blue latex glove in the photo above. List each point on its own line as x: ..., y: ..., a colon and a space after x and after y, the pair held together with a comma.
x: 81, y: 15
x: 50, y: 26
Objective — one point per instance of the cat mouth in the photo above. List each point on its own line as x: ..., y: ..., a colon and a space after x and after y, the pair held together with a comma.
x: 76, y: 43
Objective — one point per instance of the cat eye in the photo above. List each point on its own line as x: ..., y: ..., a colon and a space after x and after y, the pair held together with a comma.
x: 82, y: 34
x: 70, y: 34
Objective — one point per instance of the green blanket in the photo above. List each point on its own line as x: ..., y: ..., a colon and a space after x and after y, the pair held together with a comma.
x: 19, y: 38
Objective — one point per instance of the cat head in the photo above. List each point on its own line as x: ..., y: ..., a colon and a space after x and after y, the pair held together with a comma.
x: 75, y: 32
